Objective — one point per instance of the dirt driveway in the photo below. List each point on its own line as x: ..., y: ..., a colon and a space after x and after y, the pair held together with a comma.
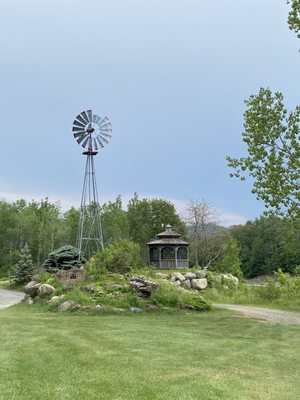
x: 264, y: 314
x: 9, y: 297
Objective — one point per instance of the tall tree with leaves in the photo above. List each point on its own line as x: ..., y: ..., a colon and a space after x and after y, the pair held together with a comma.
x: 114, y: 221
x: 147, y: 217
x: 24, y: 267
x: 272, y: 136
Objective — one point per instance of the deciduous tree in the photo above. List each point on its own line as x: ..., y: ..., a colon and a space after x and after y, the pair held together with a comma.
x: 201, y: 219
x: 272, y: 137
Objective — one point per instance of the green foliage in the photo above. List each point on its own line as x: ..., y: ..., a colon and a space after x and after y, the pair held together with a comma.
x: 39, y: 224
x: 267, y: 243
x: 294, y: 17
x: 64, y: 258
x: 269, y: 291
x: 24, y: 268
x: 78, y: 296
x: 272, y: 138
x: 147, y: 217
x: 114, y: 221
x: 123, y: 300
x: 48, y: 278
x: 43, y: 226
x: 168, y: 295
x: 70, y: 226
x: 120, y: 256
x: 230, y: 261
x: 281, y: 293
x: 297, y: 270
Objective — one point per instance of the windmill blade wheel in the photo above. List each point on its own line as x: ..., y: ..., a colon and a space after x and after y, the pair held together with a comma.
x: 91, y: 131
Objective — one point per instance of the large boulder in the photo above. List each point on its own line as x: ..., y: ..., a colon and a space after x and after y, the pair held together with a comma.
x: 186, y: 284
x: 45, y: 289
x: 66, y: 305
x: 32, y: 288
x: 141, y: 286
x: 199, y: 284
x: 200, y: 274
x: 190, y: 276
x: 55, y: 300
x: 177, y: 283
x: 178, y: 276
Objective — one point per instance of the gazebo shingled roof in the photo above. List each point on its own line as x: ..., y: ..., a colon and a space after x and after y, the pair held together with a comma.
x: 168, y: 237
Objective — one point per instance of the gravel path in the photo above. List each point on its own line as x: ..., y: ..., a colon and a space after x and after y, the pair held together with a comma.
x: 265, y: 314
x: 9, y: 297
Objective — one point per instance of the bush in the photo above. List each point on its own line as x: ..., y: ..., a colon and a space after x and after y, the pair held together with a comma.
x: 64, y: 258
x: 121, y: 257
x: 168, y: 295
x: 270, y: 291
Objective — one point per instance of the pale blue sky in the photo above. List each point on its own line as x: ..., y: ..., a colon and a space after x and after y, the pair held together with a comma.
x: 172, y: 77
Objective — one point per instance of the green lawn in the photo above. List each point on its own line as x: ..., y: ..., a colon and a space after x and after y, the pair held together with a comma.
x: 170, y: 356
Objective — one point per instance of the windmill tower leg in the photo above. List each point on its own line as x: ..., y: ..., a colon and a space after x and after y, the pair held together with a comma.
x: 89, y: 235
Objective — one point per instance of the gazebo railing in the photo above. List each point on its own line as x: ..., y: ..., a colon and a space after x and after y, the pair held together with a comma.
x: 169, y: 264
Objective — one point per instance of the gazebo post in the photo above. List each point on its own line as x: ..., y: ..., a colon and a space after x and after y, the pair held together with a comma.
x: 159, y: 257
x: 176, y: 251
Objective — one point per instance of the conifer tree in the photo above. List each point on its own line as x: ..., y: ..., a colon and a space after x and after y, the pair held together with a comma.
x: 24, y: 267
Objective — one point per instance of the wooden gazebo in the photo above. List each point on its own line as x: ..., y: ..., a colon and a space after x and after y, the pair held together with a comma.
x: 168, y: 250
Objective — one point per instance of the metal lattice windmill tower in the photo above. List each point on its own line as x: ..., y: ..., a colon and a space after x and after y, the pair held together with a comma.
x: 93, y: 133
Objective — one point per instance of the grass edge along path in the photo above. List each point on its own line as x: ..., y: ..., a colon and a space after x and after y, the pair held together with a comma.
x: 176, y: 355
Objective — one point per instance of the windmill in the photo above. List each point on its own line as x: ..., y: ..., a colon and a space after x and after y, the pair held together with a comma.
x: 92, y: 133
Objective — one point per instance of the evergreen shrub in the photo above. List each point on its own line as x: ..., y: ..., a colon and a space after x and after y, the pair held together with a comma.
x: 64, y: 258
x: 24, y: 268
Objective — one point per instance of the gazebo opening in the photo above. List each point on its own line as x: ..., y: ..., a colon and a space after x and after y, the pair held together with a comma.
x: 182, y: 253
x: 167, y: 253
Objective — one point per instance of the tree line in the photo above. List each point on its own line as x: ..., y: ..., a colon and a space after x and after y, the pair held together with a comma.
x: 44, y: 227
x: 258, y: 247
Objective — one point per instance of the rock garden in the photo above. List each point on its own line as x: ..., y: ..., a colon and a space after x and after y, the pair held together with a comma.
x: 114, y: 292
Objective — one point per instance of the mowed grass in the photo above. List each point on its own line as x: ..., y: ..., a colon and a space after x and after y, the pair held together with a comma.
x: 176, y: 355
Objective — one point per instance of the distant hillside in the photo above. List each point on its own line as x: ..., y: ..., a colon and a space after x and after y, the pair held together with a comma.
x: 208, y: 229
